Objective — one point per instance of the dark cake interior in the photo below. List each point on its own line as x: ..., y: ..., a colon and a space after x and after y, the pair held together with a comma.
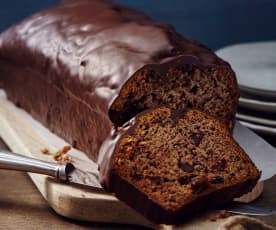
x: 178, y: 87
x: 177, y: 157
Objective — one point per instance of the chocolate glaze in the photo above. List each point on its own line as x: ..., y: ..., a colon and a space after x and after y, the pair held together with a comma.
x: 105, y: 155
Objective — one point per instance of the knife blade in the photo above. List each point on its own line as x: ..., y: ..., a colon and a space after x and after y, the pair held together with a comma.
x: 78, y: 176
x: 250, y: 209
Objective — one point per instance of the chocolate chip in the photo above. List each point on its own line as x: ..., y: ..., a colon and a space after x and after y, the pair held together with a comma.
x: 183, y: 180
x: 186, y: 167
x: 197, y: 137
x: 220, y: 165
x: 137, y: 176
x: 199, y: 184
x: 217, y: 180
x: 231, y: 176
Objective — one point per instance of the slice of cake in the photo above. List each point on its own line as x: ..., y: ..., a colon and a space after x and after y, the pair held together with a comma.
x: 169, y: 164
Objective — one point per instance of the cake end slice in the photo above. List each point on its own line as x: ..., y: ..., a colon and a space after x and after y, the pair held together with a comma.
x: 170, y: 164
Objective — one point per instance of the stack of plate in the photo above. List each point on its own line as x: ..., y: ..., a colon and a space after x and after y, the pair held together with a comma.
x: 255, y: 67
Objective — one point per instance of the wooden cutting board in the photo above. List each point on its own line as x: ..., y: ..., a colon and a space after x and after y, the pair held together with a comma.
x: 26, y: 136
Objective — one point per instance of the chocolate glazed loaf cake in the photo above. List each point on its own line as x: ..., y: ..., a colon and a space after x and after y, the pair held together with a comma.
x: 170, y: 164
x: 86, y: 65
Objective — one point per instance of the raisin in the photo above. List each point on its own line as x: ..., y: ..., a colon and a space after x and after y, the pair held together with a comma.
x: 217, y: 180
x: 186, y: 167
x: 199, y: 184
x: 183, y: 180
x: 197, y: 137
x: 231, y: 176
x: 138, y: 177
x: 220, y: 165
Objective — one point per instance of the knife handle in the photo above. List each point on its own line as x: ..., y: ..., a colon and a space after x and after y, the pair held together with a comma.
x: 13, y: 161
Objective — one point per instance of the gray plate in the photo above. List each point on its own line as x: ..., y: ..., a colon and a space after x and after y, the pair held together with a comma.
x: 255, y: 66
x: 258, y: 105
x: 260, y: 128
x: 256, y: 120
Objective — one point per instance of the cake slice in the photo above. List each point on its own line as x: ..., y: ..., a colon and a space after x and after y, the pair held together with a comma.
x: 170, y: 164
x: 179, y: 83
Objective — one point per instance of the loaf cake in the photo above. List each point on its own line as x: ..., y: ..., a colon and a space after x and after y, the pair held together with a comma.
x: 85, y: 66
x: 171, y: 164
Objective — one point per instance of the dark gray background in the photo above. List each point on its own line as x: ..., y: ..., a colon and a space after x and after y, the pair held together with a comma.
x: 216, y: 23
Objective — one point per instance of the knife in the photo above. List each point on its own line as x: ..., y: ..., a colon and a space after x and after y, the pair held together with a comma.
x: 250, y: 209
x: 63, y: 172
x: 68, y: 173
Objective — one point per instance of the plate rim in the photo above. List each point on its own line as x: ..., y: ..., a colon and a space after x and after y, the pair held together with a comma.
x: 259, y: 128
x: 257, y: 105
x: 260, y: 121
x: 259, y: 92
x: 248, y: 89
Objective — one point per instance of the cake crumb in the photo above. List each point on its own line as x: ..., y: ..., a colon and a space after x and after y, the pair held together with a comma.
x: 61, y: 155
x: 67, y: 159
x: 221, y: 214
x: 45, y: 151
